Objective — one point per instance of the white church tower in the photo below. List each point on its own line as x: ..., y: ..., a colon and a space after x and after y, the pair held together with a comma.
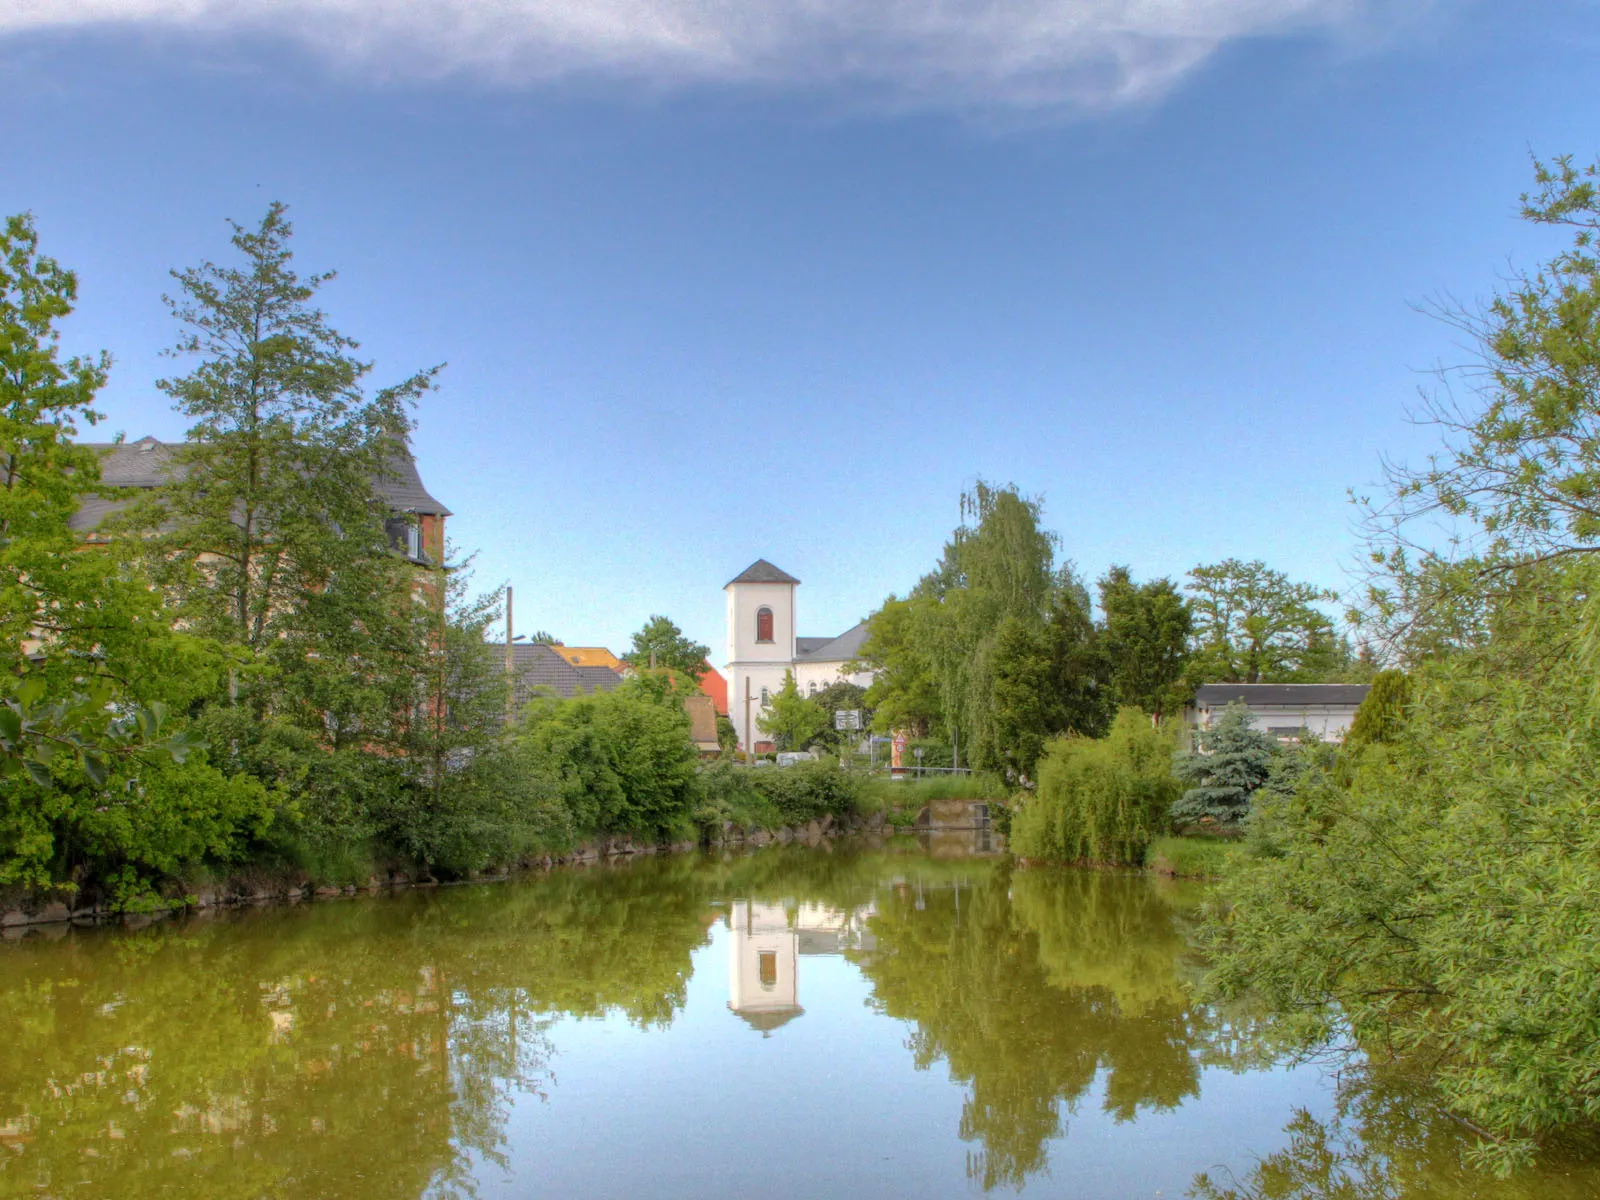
x: 761, y: 643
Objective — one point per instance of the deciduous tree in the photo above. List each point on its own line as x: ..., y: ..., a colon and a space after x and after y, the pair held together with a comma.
x: 794, y: 721
x: 1253, y: 624
x: 661, y: 644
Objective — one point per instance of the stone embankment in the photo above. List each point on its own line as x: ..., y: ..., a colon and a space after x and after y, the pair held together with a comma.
x: 259, y: 887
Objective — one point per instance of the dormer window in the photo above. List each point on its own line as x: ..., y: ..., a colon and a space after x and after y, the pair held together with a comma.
x: 764, y: 625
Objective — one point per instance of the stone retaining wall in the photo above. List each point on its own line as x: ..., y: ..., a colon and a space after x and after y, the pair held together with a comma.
x: 254, y: 887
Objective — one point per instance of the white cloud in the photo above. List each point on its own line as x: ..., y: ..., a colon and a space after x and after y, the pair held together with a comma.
x: 1021, y: 53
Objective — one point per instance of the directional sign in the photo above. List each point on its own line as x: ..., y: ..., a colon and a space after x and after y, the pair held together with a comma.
x: 847, y: 718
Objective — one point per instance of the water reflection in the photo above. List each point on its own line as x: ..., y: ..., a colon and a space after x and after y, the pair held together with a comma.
x: 409, y: 1046
x: 1386, y: 1141
x: 360, y: 1049
x: 767, y: 943
x: 1029, y: 986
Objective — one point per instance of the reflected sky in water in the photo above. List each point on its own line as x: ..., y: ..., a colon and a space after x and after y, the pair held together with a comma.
x: 795, y: 1022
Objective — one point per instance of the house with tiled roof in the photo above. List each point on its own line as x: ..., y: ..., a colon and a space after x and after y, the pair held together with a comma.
x: 539, y: 669
x: 416, y: 528
x: 763, y: 645
x: 590, y: 656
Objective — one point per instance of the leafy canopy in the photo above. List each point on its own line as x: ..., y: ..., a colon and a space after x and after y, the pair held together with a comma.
x: 1253, y: 624
x: 792, y: 721
x: 661, y: 644
x: 1146, y: 640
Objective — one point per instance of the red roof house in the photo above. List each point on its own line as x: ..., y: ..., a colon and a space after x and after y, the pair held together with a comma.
x: 714, y: 685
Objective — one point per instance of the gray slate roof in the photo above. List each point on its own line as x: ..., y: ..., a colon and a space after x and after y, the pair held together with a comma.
x: 538, y: 668
x: 761, y: 571
x: 804, y: 646
x: 147, y: 463
x: 1281, y: 695
x: 840, y: 649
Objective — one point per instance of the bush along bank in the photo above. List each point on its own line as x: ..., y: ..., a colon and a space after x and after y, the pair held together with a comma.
x: 1100, y: 801
x: 572, y: 781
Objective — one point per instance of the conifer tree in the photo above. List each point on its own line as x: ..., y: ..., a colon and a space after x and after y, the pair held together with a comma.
x: 1234, y: 762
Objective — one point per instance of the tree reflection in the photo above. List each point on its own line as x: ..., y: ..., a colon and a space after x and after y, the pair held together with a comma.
x: 1389, y: 1140
x: 347, y: 1050
x: 1029, y: 986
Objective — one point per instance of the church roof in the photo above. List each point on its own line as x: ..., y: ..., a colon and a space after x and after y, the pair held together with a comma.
x: 768, y: 1019
x: 840, y: 649
x: 761, y: 571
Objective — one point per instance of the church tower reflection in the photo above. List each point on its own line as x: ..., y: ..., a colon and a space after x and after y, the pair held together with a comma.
x: 768, y: 941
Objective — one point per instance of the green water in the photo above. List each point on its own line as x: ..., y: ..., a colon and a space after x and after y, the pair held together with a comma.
x: 796, y: 1022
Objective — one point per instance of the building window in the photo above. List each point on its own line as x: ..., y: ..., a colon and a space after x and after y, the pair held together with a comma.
x: 405, y: 536
x: 763, y: 625
x: 768, y: 966
x: 811, y: 688
x: 763, y: 697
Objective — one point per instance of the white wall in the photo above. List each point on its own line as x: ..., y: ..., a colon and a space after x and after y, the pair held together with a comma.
x: 761, y: 663
x: 1328, y: 721
x: 760, y: 675
x: 744, y: 600
x: 823, y: 674
x: 759, y: 929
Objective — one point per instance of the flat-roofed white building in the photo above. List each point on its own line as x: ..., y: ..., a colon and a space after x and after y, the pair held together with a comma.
x: 1284, y: 709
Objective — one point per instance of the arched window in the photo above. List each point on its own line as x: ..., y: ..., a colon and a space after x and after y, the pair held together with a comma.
x: 811, y: 689
x: 763, y: 697
x: 763, y: 625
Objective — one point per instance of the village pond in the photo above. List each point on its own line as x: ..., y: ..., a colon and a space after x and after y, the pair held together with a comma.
x: 849, y: 1021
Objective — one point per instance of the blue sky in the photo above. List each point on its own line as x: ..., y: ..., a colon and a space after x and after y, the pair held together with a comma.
x: 720, y: 281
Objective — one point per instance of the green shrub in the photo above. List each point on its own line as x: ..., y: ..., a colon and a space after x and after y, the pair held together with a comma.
x: 502, y: 805
x: 157, y: 819
x: 809, y: 791
x: 1099, y: 800
x: 881, y: 792
x: 621, y: 761
x: 727, y: 794
x: 1439, y: 902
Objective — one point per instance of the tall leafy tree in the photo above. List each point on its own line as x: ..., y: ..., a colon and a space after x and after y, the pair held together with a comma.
x: 1253, y: 624
x: 904, y: 693
x: 1516, y: 482
x: 272, y: 527
x: 943, y: 669
x: 92, y: 784
x: 80, y: 618
x: 275, y: 489
x: 662, y: 644
x: 1047, y: 679
x: 1146, y: 641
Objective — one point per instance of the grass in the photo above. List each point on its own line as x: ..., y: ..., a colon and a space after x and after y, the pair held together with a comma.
x: 888, y: 793
x: 1190, y: 858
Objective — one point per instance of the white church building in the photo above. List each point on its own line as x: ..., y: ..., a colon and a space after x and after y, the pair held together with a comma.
x: 763, y: 645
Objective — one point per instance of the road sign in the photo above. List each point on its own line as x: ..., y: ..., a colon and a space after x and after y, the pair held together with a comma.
x: 847, y: 718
